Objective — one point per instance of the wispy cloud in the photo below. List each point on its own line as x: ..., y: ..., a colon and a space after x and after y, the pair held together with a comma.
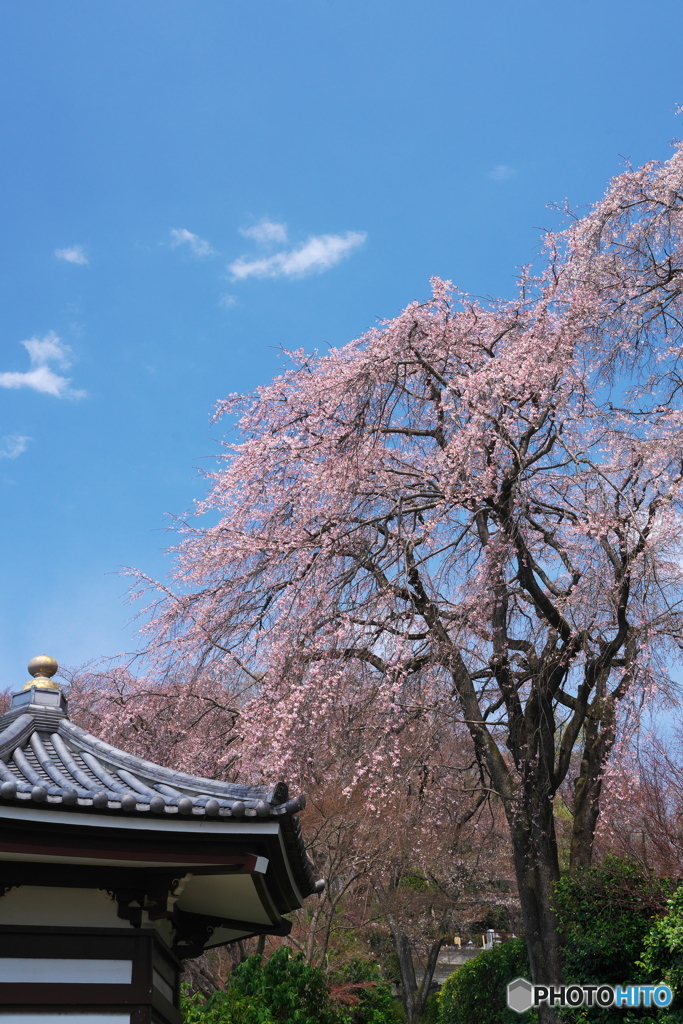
x: 41, y: 377
x: 319, y: 253
x: 197, y: 246
x: 266, y: 232
x: 13, y: 445
x: 502, y: 172
x: 73, y: 254
x: 227, y: 301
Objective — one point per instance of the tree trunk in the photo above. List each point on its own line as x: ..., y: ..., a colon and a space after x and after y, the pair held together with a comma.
x: 534, y: 850
x: 587, y: 789
x: 313, y: 924
x: 413, y: 997
x: 599, y: 736
x: 430, y: 967
x: 406, y: 967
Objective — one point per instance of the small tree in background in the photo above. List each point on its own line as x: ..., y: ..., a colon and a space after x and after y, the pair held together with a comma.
x: 184, y: 720
x: 642, y: 817
x: 409, y: 871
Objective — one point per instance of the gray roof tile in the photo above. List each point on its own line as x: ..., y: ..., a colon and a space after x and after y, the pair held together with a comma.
x: 47, y: 759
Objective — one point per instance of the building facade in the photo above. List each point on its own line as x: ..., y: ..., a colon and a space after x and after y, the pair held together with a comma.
x: 113, y: 870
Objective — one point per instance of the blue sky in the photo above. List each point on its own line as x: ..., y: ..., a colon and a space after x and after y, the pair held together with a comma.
x: 189, y: 186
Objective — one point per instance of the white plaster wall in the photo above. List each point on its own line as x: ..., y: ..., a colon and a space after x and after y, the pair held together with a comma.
x: 232, y: 896
x: 64, y: 1018
x: 44, y: 905
x: 162, y: 926
x: 52, y: 970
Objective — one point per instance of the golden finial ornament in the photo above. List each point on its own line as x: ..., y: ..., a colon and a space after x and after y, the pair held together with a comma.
x: 42, y: 668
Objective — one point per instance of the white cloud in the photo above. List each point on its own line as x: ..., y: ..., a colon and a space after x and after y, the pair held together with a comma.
x: 227, y: 301
x: 41, y: 377
x: 197, y: 246
x: 266, y: 232
x: 502, y: 172
x: 319, y: 253
x: 46, y: 350
x: 13, y: 445
x: 74, y: 254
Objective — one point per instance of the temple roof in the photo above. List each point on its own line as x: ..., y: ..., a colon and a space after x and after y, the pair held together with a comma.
x: 47, y: 761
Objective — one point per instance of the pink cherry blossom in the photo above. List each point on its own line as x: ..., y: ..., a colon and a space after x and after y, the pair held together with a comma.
x: 471, y: 512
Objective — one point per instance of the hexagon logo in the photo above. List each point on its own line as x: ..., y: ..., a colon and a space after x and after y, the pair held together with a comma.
x: 520, y: 995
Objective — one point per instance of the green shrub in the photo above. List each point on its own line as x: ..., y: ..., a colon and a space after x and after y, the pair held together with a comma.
x: 281, y: 990
x: 605, y: 915
x: 223, y: 1008
x: 662, y: 958
x: 377, y: 1005
x: 476, y: 993
x: 432, y: 1009
x: 373, y: 1003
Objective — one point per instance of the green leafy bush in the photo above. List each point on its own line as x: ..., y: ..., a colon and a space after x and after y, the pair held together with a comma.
x: 431, y: 1012
x: 364, y: 995
x: 476, y: 993
x: 662, y: 958
x: 223, y: 1008
x: 375, y: 1005
x: 605, y: 914
x: 283, y: 989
